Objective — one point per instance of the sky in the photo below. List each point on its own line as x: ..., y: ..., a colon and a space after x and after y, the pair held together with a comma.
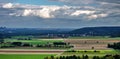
x: 59, y: 13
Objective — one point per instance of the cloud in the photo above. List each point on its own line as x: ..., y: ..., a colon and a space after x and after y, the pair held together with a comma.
x: 68, y: 15
x: 78, y: 2
x: 87, y: 1
x: 95, y: 16
x: 40, y: 11
x: 44, y: 12
x: 8, y: 5
x: 78, y: 12
x: 54, y: 12
x: 110, y: 1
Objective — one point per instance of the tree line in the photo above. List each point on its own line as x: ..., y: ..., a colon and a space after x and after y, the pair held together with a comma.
x: 114, y: 45
x: 47, y: 45
x: 85, y: 57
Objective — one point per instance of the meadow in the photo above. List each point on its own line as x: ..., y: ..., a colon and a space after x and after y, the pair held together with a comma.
x: 24, y: 56
x: 34, y: 41
x: 82, y: 46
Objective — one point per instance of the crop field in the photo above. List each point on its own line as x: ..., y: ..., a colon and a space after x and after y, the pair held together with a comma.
x: 24, y: 56
x: 82, y: 46
x: 88, y: 44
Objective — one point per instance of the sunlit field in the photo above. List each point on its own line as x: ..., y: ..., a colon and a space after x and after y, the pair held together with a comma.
x: 24, y: 56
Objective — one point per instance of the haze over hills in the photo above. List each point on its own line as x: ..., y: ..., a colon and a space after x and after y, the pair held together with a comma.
x: 87, y: 31
x: 97, y: 31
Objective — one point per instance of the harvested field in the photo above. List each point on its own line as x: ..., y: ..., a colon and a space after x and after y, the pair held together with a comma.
x: 88, y: 44
x: 2, y: 51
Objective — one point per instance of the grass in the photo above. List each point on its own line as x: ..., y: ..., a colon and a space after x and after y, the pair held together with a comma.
x: 91, y: 53
x: 32, y: 42
x: 23, y: 56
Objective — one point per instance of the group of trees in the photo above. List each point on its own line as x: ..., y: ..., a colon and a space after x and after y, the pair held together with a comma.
x: 114, y: 46
x: 85, y: 57
x: 67, y: 57
x: 1, y: 38
x: 48, y: 45
x: 24, y: 39
x: 96, y: 51
x: 56, y: 45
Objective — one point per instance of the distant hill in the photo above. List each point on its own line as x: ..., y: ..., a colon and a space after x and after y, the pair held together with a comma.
x: 87, y: 31
x: 97, y: 31
x: 32, y: 31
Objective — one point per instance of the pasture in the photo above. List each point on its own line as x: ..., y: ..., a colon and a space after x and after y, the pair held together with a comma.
x: 24, y: 56
x: 34, y: 41
x: 82, y: 46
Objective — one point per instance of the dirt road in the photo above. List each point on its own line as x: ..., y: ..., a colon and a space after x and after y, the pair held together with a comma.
x: 28, y: 51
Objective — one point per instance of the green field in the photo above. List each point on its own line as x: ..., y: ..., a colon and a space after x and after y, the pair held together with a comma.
x: 32, y: 42
x: 36, y: 41
x: 23, y: 56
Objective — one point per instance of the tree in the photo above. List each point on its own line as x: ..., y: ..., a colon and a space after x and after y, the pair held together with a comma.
x: 96, y: 57
x: 46, y: 57
x: 86, y: 57
x: 27, y: 45
x: 78, y: 57
x: 52, y: 57
x: 114, y: 46
x: 17, y: 43
x: 92, y: 47
x: 110, y: 57
x: 1, y: 38
x: 116, y: 56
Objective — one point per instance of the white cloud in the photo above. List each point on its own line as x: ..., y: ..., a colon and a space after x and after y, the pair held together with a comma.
x: 43, y: 11
x: 78, y: 12
x: 95, y: 16
x: 8, y: 5
x: 103, y: 15
x: 67, y: 12
x: 27, y: 12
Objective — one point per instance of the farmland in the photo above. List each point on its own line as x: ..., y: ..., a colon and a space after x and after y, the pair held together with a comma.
x: 88, y: 44
x: 23, y: 56
x: 82, y: 46
x: 92, y: 52
x: 35, y: 41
